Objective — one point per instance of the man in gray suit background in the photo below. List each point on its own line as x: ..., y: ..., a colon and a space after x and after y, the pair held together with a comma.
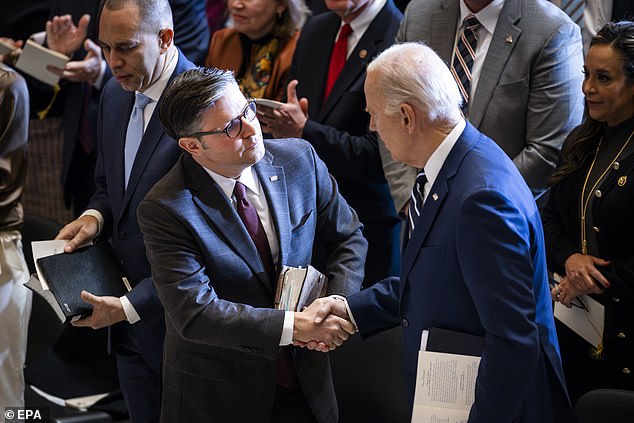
x: 218, y: 227
x: 524, y: 89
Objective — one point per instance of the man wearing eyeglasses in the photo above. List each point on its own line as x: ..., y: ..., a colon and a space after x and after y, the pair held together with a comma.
x: 218, y: 228
x: 136, y: 37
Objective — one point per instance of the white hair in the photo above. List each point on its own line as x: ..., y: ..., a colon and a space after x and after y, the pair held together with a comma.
x: 414, y: 74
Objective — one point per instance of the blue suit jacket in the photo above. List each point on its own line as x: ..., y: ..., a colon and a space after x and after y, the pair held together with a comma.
x: 157, y: 154
x: 476, y: 264
x: 223, y: 334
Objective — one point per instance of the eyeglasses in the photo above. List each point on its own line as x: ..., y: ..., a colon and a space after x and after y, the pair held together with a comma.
x: 234, y: 127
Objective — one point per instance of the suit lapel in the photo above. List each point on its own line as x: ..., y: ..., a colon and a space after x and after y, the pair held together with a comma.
x: 358, y: 61
x: 443, y: 22
x: 273, y: 181
x: 122, y: 114
x: 222, y: 216
x: 314, y: 89
x: 503, y: 42
x: 436, y: 197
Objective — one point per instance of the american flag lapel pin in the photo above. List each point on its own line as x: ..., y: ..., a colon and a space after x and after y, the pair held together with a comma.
x: 435, y: 197
x: 273, y: 178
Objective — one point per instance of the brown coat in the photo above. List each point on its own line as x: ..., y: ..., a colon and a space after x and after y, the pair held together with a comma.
x: 225, y: 52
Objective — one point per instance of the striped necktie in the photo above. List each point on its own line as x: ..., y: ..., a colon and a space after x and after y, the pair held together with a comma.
x: 464, y: 55
x: 574, y: 9
x: 134, y: 134
x: 416, y: 200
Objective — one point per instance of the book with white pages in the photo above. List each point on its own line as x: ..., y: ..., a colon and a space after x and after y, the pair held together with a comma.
x: 445, y: 382
x: 6, y: 48
x: 35, y: 58
x: 265, y: 102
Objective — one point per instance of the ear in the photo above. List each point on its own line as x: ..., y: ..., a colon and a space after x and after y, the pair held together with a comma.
x: 166, y: 37
x: 191, y: 145
x: 408, y: 117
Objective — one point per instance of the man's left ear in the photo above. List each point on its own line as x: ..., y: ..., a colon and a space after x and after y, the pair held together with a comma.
x: 166, y: 37
x: 408, y: 117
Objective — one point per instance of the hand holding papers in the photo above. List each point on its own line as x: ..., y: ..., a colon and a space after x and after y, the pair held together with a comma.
x: 446, y: 376
x: 35, y: 59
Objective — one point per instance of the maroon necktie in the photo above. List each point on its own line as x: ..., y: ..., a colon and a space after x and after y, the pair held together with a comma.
x: 253, y: 224
x: 254, y: 227
x: 338, y: 58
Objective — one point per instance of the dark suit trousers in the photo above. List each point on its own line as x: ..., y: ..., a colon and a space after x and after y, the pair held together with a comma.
x: 139, y: 367
x: 291, y: 406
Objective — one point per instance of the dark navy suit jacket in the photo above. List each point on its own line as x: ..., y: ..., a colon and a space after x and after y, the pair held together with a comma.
x: 156, y: 155
x: 223, y: 333
x: 476, y: 263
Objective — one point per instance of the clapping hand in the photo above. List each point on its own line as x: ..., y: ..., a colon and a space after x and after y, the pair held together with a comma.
x: 323, y: 326
x: 63, y: 36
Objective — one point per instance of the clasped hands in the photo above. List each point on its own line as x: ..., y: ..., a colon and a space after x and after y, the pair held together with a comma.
x: 582, y: 277
x: 323, y: 326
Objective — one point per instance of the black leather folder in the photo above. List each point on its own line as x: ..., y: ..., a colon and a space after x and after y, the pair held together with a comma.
x: 96, y: 269
x: 453, y: 342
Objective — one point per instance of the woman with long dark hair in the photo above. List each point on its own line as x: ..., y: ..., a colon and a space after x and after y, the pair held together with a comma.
x: 588, y: 221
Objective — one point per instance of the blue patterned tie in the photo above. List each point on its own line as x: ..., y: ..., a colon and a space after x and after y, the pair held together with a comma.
x: 135, y: 133
x: 464, y: 55
x: 416, y: 200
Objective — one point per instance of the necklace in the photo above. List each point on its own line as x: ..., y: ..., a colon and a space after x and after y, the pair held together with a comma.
x: 585, y: 200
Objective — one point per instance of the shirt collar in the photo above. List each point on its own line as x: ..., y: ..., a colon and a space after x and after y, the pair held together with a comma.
x: 361, y: 23
x: 155, y: 90
x: 247, y: 177
x: 488, y: 16
x: 438, y: 157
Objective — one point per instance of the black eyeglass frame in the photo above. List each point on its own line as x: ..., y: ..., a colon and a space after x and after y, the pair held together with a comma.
x: 233, y: 123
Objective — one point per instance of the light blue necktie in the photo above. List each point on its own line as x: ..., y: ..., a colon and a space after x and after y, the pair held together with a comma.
x: 574, y: 9
x: 134, y: 135
x: 416, y: 200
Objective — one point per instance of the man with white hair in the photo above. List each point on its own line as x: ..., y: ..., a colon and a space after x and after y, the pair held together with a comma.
x: 474, y: 259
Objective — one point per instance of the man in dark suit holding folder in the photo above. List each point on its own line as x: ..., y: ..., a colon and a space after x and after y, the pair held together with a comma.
x: 133, y: 152
x: 218, y: 228
x: 474, y: 259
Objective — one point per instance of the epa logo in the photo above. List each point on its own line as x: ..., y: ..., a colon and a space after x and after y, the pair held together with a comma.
x: 16, y: 414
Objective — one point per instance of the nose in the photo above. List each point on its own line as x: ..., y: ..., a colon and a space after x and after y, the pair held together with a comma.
x: 113, y: 59
x: 588, y: 86
x: 249, y: 127
x: 372, y: 124
x: 235, y: 4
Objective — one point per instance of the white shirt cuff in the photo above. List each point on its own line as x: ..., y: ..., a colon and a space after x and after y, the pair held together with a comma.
x: 287, y: 329
x: 130, y: 313
x: 97, y: 215
x: 342, y: 298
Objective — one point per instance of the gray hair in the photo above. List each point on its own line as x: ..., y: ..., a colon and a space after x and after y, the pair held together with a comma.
x: 153, y: 14
x: 188, y: 96
x: 413, y: 73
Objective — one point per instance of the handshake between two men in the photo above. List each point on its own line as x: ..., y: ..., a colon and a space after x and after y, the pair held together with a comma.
x: 324, y: 325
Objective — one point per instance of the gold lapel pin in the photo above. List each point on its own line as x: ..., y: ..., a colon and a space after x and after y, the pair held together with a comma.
x: 622, y: 181
x: 273, y: 178
x: 363, y: 53
x: 508, y: 39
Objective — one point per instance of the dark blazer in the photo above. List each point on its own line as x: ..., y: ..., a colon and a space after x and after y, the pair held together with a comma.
x: 476, y: 263
x: 156, y: 155
x: 191, y: 31
x: 611, y: 216
x: 222, y: 331
x: 622, y: 9
x: 339, y: 128
x: 78, y: 166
